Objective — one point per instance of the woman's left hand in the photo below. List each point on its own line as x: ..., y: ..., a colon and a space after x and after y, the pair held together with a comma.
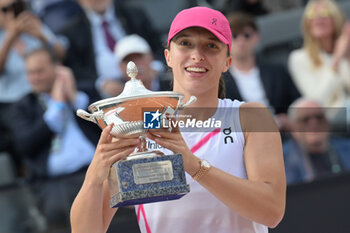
x: 174, y: 141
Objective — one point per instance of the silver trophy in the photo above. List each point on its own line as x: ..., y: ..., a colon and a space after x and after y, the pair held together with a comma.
x: 146, y: 175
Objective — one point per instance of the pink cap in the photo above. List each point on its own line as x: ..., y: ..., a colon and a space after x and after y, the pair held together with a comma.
x: 204, y: 17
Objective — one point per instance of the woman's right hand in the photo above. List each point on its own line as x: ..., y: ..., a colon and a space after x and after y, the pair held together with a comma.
x: 109, y: 150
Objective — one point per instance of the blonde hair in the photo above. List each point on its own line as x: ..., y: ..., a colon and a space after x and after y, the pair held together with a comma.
x: 311, y: 44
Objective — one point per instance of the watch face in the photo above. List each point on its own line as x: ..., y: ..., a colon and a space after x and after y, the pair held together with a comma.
x: 205, y: 164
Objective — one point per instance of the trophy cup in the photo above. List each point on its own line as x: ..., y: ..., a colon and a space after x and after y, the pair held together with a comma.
x: 145, y: 176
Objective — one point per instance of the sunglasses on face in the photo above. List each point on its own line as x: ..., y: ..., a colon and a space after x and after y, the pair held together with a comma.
x: 246, y: 35
x: 320, y: 117
x: 324, y: 13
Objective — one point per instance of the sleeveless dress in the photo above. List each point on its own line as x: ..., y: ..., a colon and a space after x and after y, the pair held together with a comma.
x: 199, y: 210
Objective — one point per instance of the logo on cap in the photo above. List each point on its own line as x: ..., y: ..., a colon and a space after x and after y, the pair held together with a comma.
x: 214, y: 21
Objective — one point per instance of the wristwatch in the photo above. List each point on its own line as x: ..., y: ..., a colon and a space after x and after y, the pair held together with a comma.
x: 205, y: 166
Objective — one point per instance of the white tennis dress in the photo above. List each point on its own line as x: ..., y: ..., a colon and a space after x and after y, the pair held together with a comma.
x: 199, y: 211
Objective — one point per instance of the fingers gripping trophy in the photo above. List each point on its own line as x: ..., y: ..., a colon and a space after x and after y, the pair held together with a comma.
x: 144, y: 176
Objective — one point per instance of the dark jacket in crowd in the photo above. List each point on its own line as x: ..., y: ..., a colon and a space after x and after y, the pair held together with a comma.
x: 295, y: 160
x: 80, y: 55
x: 278, y: 85
x: 32, y: 137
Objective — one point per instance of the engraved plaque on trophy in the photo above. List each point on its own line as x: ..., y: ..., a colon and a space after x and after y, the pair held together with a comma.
x: 146, y: 175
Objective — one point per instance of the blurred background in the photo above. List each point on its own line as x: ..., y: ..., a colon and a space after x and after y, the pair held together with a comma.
x: 60, y: 55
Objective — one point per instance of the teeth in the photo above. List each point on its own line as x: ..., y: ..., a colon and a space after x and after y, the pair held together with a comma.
x: 196, y: 69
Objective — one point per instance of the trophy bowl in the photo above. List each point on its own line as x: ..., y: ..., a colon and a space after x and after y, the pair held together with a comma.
x: 145, y: 176
x: 126, y: 110
x: 127, y: 113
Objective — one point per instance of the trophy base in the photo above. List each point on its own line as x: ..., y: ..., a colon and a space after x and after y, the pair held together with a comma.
x: 136, y: 198
x: 147, y: 179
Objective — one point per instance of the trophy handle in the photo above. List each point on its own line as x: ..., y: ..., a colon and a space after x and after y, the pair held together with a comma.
x: 87, y: 116
x: 190, y: 101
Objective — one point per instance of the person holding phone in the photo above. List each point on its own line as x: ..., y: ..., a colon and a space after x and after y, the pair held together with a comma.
x: 20, y: 32
x: 237, y: 186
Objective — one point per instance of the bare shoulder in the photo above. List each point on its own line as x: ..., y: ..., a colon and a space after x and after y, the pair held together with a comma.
x: 263, y: 146
x: 256, y: 117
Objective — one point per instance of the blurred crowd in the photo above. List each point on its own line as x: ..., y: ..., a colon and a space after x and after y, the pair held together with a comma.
x: 57, y: 56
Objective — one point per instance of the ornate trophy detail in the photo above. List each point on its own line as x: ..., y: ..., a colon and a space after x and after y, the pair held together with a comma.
x: 145, y: 176
x: 131, y: 70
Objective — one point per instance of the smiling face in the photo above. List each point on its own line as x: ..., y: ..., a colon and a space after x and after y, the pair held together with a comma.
x: 197, y: 58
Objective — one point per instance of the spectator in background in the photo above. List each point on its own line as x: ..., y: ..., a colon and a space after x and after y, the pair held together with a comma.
x: 20, y: 32
x: 135, y: 48
x: 311, y: 152
x: 321, y: 69
x: 56, y: 13
x: 94, y: 33
x: 253, y: 7
x: 39, y: 6
x: 48, y: 112
x: 282, y: 5
x: 252, y: 80
x: 50, y: 138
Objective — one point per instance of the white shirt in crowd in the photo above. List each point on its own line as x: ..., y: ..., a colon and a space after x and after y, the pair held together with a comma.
x: 250, y: 86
